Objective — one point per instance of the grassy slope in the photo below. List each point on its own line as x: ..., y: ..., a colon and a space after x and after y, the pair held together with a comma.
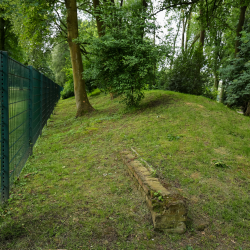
x: 74, y: 192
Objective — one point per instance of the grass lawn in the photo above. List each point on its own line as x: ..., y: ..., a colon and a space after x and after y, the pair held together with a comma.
x: 75, y: 193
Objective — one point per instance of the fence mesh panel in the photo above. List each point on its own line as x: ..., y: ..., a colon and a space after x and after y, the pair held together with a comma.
x: 1, y: 77
x: 18, y: 85
x: 26, y: 102
x: 36, y: 102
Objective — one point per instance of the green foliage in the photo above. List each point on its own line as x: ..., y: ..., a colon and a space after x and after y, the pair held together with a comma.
x: 185, y: 77
x: 237, y: 75
x: 95, y: 92
x: 40, y: 58
x: 210, y: 93
x: 158, y: 195
x: 173, y: 137
x: 68, y: 89
x: 123, y: 60
x: 220, y: 164
x: 10, y: 39
x: 60, y: 59
x: 162, y: 78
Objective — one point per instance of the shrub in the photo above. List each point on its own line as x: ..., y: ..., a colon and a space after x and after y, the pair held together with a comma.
x: 236, y: 75
x: 68, y: 88
x: 186, y: 77
x: 123, y: 60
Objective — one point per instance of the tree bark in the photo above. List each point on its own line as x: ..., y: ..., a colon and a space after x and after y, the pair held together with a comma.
x: 239, y: 28
x: 202, y: 38
x: 99, y: 22
x: 216, y: 56
x: 82, y: 102
x: 178, y: 29
x: 202, y: 32
x: 144, y: 8
x: 195, y: 40
x: 2, y: 31
x: 221, y: 99
x: 247, y: 111
x: 188, y: 28
x: 183, y: 30
x: 216, y: 80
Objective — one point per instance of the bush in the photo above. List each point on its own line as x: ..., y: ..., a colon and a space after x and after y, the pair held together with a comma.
x: 236, y: 76
x: 185, y: 77
x: 210, y: 93
x: 122, y: 60
x: 68, y: 88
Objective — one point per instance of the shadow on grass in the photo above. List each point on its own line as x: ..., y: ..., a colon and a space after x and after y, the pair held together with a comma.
x: 12, y: 231
x: 156, y: 101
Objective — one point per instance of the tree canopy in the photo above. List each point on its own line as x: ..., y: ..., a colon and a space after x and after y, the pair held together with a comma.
x: 117, y: 46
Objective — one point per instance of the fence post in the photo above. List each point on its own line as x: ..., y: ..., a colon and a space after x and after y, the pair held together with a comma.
x: 30, y: 108
x: 41, y: 104
x: 4, y: 128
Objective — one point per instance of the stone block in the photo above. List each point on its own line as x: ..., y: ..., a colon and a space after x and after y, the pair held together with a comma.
x: 167, y: 207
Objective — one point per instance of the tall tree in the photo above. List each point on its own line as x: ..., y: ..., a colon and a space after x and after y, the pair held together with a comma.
x: 99, y: 21
x: 41, y: 23
x: 82, y: 101
x: 239, y: 28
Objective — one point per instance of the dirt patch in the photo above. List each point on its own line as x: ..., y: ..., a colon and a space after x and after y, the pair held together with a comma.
x: 196, y: 175
x: 194, y: 198
x: 194, y: 104
x: 240, y: 157
x: 221, y: 150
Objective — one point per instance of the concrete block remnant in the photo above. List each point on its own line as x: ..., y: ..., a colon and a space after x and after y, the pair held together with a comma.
x: 167, y: 207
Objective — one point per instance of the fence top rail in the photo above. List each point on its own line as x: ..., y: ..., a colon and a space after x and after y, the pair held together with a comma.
x: 1, y: 52
x: 36, y: 72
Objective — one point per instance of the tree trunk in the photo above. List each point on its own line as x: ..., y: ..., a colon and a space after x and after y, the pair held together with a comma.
x: 195, y: 40
x: 2, y: 31
x: 183, y: 30
x: 216, y: 56
x: 239, y: 29
x: 178, y: 29
x: 201, y: 43
x: 216, y: 80
x: 247, y: 111
x: 99, y: 22
x: 188, y: 28
x: 221, y: 100
x: 144, y: 7
x: 202, y: 38
x: 82, y: 102
x: 202, y: 32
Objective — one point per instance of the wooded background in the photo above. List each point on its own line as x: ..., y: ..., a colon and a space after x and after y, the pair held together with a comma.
x: 110, y: 45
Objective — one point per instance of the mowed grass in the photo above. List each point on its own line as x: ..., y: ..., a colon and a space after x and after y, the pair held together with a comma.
x: 75, y: 193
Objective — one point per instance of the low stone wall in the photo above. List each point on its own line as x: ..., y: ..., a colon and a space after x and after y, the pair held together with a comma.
x: 167, y: 207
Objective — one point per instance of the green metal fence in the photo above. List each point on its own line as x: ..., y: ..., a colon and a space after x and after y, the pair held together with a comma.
x: 27, y: 100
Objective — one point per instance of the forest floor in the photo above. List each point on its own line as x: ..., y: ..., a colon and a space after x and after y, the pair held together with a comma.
x: 75, y: 193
